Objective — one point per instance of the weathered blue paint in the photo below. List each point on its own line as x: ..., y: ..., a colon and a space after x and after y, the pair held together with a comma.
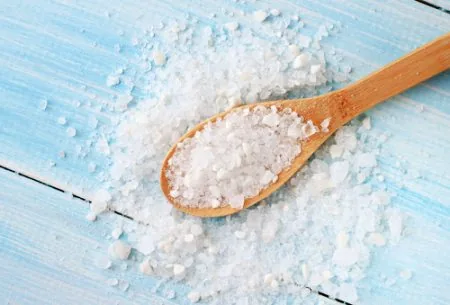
x: 63, y: 51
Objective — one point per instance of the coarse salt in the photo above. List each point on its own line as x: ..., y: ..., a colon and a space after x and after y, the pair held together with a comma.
x: 210, y: 70
x: 203, y: 169
x: 260, y: 16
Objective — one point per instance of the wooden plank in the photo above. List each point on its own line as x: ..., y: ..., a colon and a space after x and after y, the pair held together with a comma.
x: 45, y: 54
x: 49, y: 251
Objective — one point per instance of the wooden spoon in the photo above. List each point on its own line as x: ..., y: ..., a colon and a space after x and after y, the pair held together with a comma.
x: 341, y: 105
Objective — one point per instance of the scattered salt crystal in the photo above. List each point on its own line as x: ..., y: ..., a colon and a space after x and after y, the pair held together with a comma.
x: 93, y: 122
x: 112, y: 282
x: 315, y: 69
x: 61, y: 120
x: 119, y: 250
x: 194, y: 296
x: 122, y: 101
x: 274, y: 284
x: 366, y: 160
x: 336, y: 151
x: 294, y: 50
x: 124, y: 285
x: 159, y: 58
x: 196, y: 230
x: 171, y: 294
x: 91, y: 167
x: 348, y: 292
x: 178, y: 270
x: 102, y: 195
x: 300, y: 61
x: 103, y: 262
x: 327, y: 275
x: 231, y: 26
x: 145, y: 267
x: 304, y: 41
x: 146, y: 245
x: 268, y: 278
x: 345, y: 257
x: 339, y: 171
x: 71, y: 132
x: 189, y: 238
x: 274, y: 12
x: 43, y: 105
x: 342, y: 239
x: 406, y: 274
x: 91, y: 216
x: 305, y: 272
x: 239, y: 234
x: 259, y: 16
x: 366, y: 123
x: 376, y: 239
x: 116, y: 233
x: 98, y: 207
x: 112, y: 80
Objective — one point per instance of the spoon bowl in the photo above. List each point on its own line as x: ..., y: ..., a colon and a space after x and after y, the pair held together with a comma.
x: 341, y: 106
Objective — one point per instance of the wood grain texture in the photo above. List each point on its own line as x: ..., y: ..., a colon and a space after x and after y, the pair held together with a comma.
x: 63, y: 51
x: 443, y: 4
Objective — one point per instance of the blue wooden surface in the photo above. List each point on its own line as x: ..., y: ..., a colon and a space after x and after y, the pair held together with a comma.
x: 63, y: 51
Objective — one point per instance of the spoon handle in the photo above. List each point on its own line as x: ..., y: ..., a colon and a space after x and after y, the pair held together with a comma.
x: 400, y: 75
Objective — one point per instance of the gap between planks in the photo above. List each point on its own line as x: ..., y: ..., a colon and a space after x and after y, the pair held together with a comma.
x: 432, y: 5
x: 57, y: 188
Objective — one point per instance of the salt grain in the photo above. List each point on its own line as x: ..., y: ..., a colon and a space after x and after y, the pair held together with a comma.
x: 43, y: 105
x: 178, y: 270
x: 116, y: 233
x: 345, y: 257
x: 119, y: 250
x: 231, y: 26
x: 62, y: 120
x: 406, y: 274
x: 274, y: 12
x: 300, y: 61
x: 259, y: 16
x: 112, y: 282
x: 194, y: 296
x: 376, y: 239
x: 203, y: 170
x: 366, y: 123
x: 112, y: 80
x: 159, y: 58
x: 71, y: 132
x: 103, y: 262
x: 91, y: 216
